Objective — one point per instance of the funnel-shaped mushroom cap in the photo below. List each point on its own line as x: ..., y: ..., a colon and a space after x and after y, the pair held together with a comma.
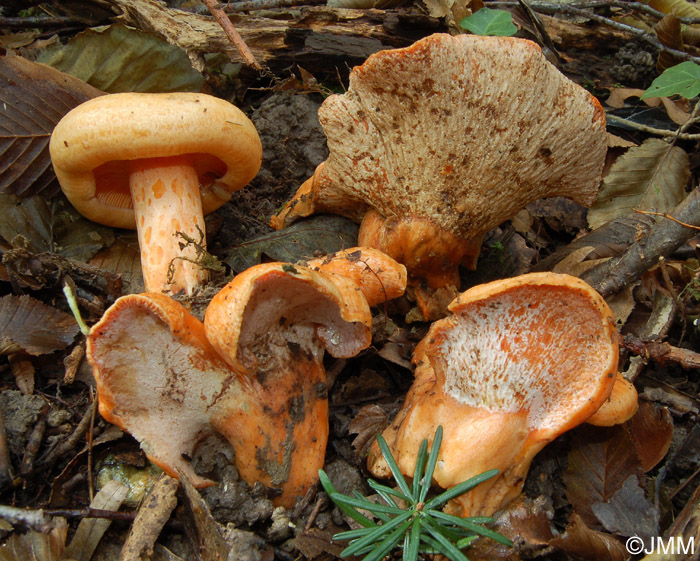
x: 253, y: 372
x: 456, y: 134
x: 518, y: 363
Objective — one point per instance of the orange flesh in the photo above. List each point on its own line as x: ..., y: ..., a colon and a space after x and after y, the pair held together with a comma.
x: 166, y: 199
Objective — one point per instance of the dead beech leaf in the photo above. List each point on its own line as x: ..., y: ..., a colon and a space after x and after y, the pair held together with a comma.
x: 34, y: 98
x: 582, y: 542
x: 668, y: 30
x: 31, y: 326
x: 618, y: 96
x: 322, y: 234
x: 38, y: 226
x: 91, y: 530
x: 123, y: 258
x: 628, y: 512
x: 647, y: 177
x: 651, y: 432
x: 526, y: 522
x: 599, y: 463
x: 680, y: 8
x: 314, y: 543
x: 369, y: 421
x: 118, y: 58
x: 36, y: 546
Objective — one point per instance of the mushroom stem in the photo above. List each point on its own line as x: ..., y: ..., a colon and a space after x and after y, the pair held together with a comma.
x: 166, y: 199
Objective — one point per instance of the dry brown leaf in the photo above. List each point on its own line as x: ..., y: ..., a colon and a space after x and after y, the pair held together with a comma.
x: 651, y: 432
x: 680, y: 8
x: 601, y: 460
x: 123, y: 258
x: 31, y: 326
x: 23, y: 372
x: 647, y: 177
x: 618, y: 96
x: 36, y: 546
x: 628, y: 512
x: 34, y: 98
x: 668, y: 30
x: 91, y: 530
x: 369, y: 421
x: 315, y: 542
x: 615, y: 141
x: 581, y: 542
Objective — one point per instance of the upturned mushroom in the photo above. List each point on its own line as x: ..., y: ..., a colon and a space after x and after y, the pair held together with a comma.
x: 252, y: 372
x: 157, y: 163
x: 437, y: 143
x: 518, y: 363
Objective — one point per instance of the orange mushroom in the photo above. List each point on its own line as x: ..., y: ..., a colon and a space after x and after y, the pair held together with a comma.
x: 252, y: 372
x: 437, y: 143
x: 157, y: 163
x: 518, y: 363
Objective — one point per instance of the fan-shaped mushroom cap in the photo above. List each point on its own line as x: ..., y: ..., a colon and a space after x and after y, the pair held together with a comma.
x: 252, y: 372
x: 157, y: 163
x: 457, y: 133
x: 518, y: 363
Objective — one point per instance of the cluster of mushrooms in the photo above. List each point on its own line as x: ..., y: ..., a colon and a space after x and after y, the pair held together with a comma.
x: 431, y: 146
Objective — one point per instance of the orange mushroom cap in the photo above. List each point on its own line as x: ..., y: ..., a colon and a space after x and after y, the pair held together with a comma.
x: 439, y: 142
x: 252, y: 372
x: 158, y: 163
x: 518, y: 363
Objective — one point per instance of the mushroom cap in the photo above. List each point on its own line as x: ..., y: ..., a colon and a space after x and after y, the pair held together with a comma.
x: 621, y: 405
x: 379, y: 277
x: 155, y: 371
x: 262, y: 298
x: 90, y: 145
x: 463, y: 131
x: 519, y: 362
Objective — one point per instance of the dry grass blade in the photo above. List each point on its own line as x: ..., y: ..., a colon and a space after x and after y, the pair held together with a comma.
x: 34, y: 98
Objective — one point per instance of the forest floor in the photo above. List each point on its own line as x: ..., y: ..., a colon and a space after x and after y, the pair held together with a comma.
x: 586, y: 494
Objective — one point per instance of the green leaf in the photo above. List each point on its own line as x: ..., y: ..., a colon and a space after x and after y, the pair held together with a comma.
x: 377, y: 533
x: 351, y: 512
x: 364, y: 504
x: 432, y: 462
x: 446, y: 546
x: 682, y: 79
x: 418, y: 471
x: 460, y: 489
x: 410, y: 551
x: 471, y: 524
x: 394, y: 467
x: 490, y: 22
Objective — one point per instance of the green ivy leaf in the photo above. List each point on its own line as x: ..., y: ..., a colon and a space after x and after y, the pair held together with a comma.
x: 490, y: 22
x: 682, y: 79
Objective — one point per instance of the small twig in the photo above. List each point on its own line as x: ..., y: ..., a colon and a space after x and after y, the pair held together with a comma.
x: 91, y: 486
x: 232, y: 34
x: 5, y: 462
x: 65, y: 446
x: 39, y: 21
x: 34, y: 442
x: 550, y: 7
x: 665, y: 215
x: 613, y: 275
x: 662, y: 353
x: 615, y: 120
x: 639, y: 33
x: 42, y: 520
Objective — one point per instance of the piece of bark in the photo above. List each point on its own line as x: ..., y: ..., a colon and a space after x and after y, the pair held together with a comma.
x: 153, y: 513
x: 319, y: 38
x: 666, y: 236
x: 662, y: 353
